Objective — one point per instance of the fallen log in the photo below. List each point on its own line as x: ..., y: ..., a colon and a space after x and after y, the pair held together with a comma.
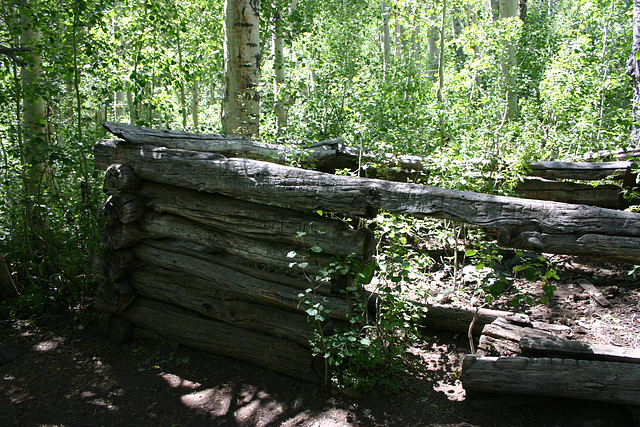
x: 551, y: 346
x: 120, y: 178
x: 219, y: 303
x: 581, y: 379
x: 605, y: 196
x: 116, y: 235
x: 259, y: 221
x: 502, y: 337
x: 188, y: 328
x: 256, y: 290
x: 459, y: 319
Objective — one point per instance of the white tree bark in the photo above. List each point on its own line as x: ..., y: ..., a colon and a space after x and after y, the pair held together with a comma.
x: 386, y: 38
x: 509, y: 9
x: 241, y: 102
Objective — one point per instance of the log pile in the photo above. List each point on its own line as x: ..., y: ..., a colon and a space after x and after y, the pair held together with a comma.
x: 216, y: 273
x: 534, y: 359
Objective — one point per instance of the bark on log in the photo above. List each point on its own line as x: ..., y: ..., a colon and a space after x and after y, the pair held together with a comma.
x: 120, y: 178
x: 219, y: 303
x: 114, y: 265
x: 558, y: 347
x: 501, y: 338
x: 259, y: 221
x: 580, y: 170
x: 256, y: 290
x: 114, y: 296
x: 123, y: 207
x: 581, y: 379
x: 220, y: 338
x: 605, y: 196
x: 270, y: 253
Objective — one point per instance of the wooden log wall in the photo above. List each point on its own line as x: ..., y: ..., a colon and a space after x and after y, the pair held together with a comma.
x: 216, y: 273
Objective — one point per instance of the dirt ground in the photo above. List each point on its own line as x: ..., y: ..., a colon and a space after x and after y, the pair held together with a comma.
x: 68, y: 375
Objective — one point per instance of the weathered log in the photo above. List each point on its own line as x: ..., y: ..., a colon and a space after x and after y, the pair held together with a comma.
x: 275, y: 254
x: 327, y: 156
x: 120, y: 178
x: 605, y: 196
x: 559, y: 347
x: 114, y: 296
x: 613, y: 248
x: 114, y: 265
x: 458, y: 319
x: 581, y: 379
x: 619, y: 154
x: 220, y: 303
x: 123, y: 207
x: 579, y: 170
x: 270, y: 183
x: 117, y: 235
x: 259, y: 221
x: 190, y: 329
x: 256, y: 290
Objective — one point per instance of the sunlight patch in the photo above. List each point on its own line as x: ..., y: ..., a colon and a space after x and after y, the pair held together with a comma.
x: 49, y: 345
x: 217, y: 402
x: 175, y: 381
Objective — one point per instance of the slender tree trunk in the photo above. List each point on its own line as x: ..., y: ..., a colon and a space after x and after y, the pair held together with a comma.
x: 441, y: 55
x: 279, y: 73
x: 509, y: 9
x: 633, y: 70
x: 432, y: 52
x: 386, y: 39
x: 241, y: 102
x: 183, y: 97
x: 195, y: 93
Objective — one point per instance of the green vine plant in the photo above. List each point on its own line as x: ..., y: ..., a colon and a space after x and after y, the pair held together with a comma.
x: 367, y: 349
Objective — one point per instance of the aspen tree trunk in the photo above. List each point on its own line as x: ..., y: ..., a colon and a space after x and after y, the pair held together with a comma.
x: 509, y: 9
x: 279, y: 72
x: 386, y: 38
x: 241, y: 102
x: 432, y: 52
x: 33, y: 106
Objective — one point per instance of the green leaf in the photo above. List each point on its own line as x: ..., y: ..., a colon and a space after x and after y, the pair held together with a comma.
x: 317, y: 249
x: 292, y: 254
x: 637, y: 55
x: 470, y: 252
x: 365, y: 342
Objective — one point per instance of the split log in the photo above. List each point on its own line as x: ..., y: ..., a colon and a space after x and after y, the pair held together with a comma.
x: 259, y: 221
x: 582, y: 379
x: 120, y: 178
x: 580, y: 170
x: 558, y: 347
x: 270, y: 183
x: 605, y: 196
x: 220, y: 338
x: 220, y: 303
x: 114, y: 265
x: 123, y: 207
x: 256, y: 290
x: 114, y: 296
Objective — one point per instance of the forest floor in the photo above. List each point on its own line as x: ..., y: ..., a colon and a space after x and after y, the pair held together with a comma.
x: 68, y: 375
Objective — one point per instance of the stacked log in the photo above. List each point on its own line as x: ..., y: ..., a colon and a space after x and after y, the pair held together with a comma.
x: 217, y: 273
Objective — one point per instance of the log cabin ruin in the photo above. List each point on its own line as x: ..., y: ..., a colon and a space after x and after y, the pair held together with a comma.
x: 211, y: 240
